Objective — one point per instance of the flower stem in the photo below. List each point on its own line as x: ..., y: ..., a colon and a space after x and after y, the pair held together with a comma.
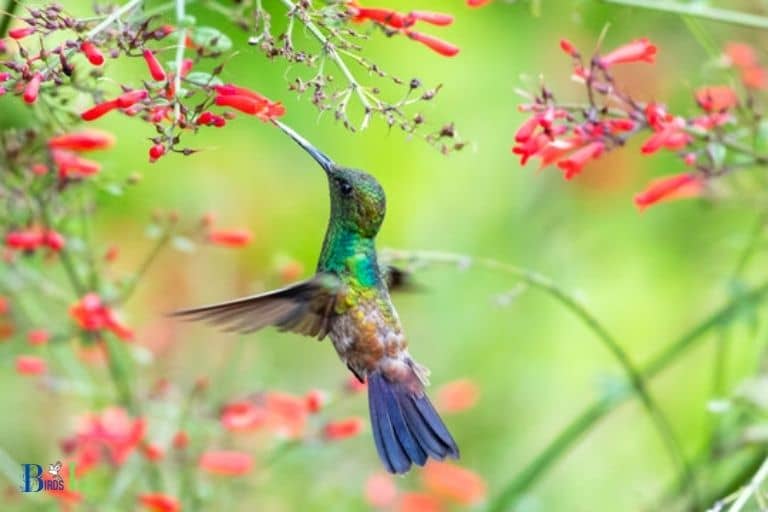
x: 7, y: 16
x: 585, y: 421
x: 698, y: 10
x: 180, y: 47
x: 334, y: 55
x: 543, y: 283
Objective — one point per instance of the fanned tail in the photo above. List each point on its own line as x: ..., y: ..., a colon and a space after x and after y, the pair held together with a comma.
x: 406, y: 427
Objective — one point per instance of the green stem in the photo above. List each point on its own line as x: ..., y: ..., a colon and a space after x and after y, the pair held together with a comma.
x: 584, y: 422
x: 64, y: 256
x: 698, y: 10
x: 118, y: 375
x: 7, y: 16
x: 543, y: 283
x: 144, y: 267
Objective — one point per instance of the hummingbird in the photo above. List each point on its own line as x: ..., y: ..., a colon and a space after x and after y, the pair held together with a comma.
x: 348, y: 301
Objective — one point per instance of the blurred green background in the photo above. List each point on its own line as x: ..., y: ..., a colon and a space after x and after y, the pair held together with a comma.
x: 648, y: 277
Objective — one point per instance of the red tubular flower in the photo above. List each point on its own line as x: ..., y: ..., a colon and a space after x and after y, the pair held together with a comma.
x: 99, y: 110
x: 30, y: 365
x: 678, y: 186
x: 153, y: 452
x: 716, y: 98
x: 21, y: 32
x: 230, y: 237
x: 419, y: 502
x: 32, y: 89
x: 440, y: 19
x: 621, y: 125
x: 380, y: 490
x: 156, y: 70
x: 315, y: 400
x: 244, y: 416
x: 453, y: 482
x: 754, y: 78
x: 225, y: 462
x: 639, y: 50
x: 234, y: 90
x: 130, y: 98
x: 343, y: 429
x: 180, y: 440
x: 38, y: 337
x: 670, y: 137
x: 477, y: 3
x: 438, y: 45
x: 5, y: 306
x: 244, y: 104
x: 158, y: 502
x: 156, y: 151
x: 71, y: 165
x: 53, y: 240
x: 568, y: 48
x: 574, y: 163
x: 457, y: 396
x: 388, y: 17
x: 24, y: 240
x: 92, y: 53
x: 208, y: 118
x: 84, y: 140
x: 741, y: 55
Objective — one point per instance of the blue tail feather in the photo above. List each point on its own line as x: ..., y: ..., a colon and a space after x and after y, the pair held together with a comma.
x: 406, y: 428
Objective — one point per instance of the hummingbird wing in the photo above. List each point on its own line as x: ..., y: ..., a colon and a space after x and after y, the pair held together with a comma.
x: 306, y: 307
x: 398, y: 279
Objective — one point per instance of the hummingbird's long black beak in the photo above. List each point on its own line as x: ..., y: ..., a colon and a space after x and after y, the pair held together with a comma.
x: 325, y: 162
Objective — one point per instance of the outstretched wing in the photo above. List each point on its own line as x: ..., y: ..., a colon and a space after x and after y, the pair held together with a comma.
x: 306, y: 308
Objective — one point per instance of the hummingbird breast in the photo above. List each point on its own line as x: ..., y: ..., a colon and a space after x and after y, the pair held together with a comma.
x: 368, y: 336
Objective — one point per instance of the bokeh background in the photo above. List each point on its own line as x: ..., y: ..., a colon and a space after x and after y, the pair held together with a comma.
x: 648, y: 277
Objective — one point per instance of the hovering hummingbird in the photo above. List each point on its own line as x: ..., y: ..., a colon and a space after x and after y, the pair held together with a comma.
x: 348, y: 300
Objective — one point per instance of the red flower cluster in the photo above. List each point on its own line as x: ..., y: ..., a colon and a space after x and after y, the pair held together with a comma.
x: 281, y: 413
x: 744, y: 58
x: 445, y: 485
x: 396, y: 21
x: 571, y: 137
x: 110, y: 437
x: 92, y: 315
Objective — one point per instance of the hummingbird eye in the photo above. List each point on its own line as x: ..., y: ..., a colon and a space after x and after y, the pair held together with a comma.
x: 345, y: 187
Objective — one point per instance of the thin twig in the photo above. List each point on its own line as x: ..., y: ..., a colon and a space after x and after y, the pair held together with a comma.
x: 330, y: 49
x: 698, y: 10
x: 180, y: 48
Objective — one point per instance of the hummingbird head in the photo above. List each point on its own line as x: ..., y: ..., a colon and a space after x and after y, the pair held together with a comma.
x: 357, y: 199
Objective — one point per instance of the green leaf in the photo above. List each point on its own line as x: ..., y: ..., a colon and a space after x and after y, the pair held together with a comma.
x: 211, y: 39
x: 717, y: 152
x: 202, y: 78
